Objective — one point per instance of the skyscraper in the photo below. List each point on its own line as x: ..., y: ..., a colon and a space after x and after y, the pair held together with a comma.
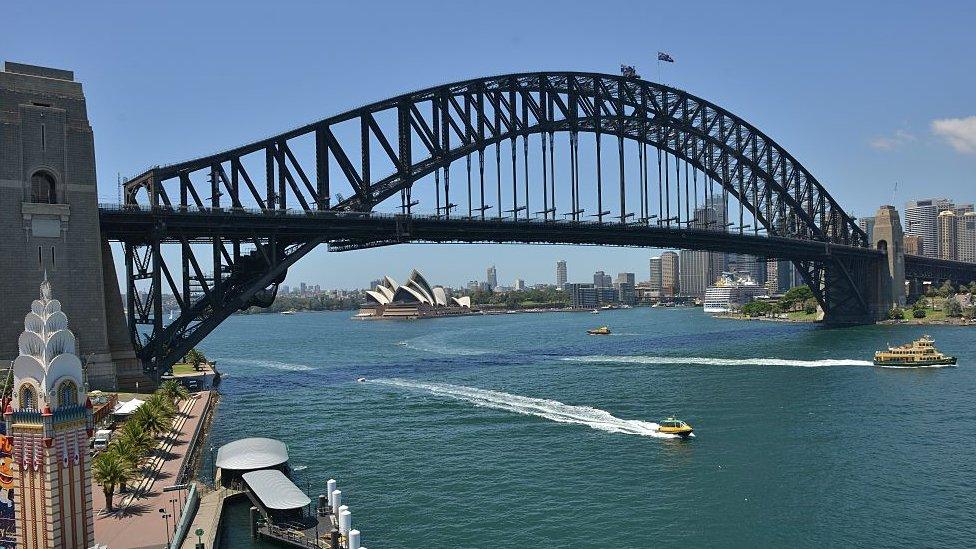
x: 967, y: 237
x: 561, y: 274
x: 655, y: 280
x: 781, y: 276
x: 914, y: 245
x: 492, y: 277
x: 867, y: 225
x: 519, y: 285
x: 670, y: 274
x: 948, y: 235
x: 602, y: 280
x: 628, y: 278
x: 921, y: 219
x: 700, y: 269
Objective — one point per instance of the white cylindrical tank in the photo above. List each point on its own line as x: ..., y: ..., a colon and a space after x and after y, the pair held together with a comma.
x: 330, y: 487
x: 336, y: 501
x: 354, y: 539
x: 345, y: 521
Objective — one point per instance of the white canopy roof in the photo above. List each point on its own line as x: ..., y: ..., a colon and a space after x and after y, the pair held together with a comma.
x: 128, y: 407
x: 252, y: 453
x: 275, y: 490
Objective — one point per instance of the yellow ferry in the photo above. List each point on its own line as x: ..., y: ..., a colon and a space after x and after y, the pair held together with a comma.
x: 601, y: 331
x: 672, y: 426
x: 921, y: 352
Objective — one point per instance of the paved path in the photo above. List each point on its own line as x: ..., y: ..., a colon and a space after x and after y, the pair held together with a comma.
x: 137, y: 522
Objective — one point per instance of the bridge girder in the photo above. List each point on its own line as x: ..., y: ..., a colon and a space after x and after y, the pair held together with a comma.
x: 373, y: 153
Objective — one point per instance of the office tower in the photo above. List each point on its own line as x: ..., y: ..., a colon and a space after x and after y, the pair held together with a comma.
x: 492, y: 277
x: 948, y: 235
x: 602, y: 280
x: 700, y: 269
x: 670, y: 274
x: 655, y: 280
x: 914, y: 245
x: 867, y: 225
x: 561, y: 274
x: 519, y: 285
x: 781, y: 276
x: 967, y: 237
x: 921, y: 219
x: 628, y: 278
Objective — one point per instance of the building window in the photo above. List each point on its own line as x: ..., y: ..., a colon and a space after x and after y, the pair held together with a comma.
x: 43, y: 189
x: 67, y: 394
x: 28, y: 398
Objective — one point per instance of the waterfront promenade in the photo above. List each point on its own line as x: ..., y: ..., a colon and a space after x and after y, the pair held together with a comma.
x: 137, y: 522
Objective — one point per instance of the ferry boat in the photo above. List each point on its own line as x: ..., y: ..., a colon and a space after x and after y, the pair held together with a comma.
x: 601, y: 331
x: 921, y: 352
x: 672, y: 426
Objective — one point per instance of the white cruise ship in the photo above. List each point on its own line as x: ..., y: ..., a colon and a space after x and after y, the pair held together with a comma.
x: 730, y: 292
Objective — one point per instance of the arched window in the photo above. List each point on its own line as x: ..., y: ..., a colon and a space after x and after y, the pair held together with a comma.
x: 28, y: 398
x: 43, y: 188
x: 67, y: 394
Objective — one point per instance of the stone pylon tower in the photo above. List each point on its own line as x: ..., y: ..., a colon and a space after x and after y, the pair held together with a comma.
x: 889, y: 236
x: 49, y: 221
x: 49, y: 423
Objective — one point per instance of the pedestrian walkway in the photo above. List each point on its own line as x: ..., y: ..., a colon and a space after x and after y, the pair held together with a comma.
x: 137, y: 522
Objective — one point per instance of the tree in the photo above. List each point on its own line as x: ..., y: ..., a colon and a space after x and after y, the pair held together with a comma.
x: 173, y: 390
x: 756, y: 308
x: 152, y: 417
x: 952, y: 308
x: 810, y: 308
x: 140, y: 437
x: 918, y: 313
x: 194, y: 358
x: 110, y: 470
x: 947, y: 289
x: 126, y: 450
x: 921, y: 304
x: 972, y: 288
x: 896, y: 314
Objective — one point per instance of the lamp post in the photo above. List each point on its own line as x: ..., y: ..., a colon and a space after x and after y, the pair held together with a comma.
x: 172, y: 502
x: 166, y: 518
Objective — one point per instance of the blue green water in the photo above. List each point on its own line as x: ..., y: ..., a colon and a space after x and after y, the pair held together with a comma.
x: 519, y: 431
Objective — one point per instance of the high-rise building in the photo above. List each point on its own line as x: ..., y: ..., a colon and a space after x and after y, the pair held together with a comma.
x: 655, y: 280
x: 629, y: 278
x: 492, y: 277
x: 967, y: 237
x: 670, y: 274
x: 49, y: 423
x: 602, y: 280
x: 921, y: 219
x: 519, y: 285
x: 700, y: 269
x: 749, y: 265
x: 561, y: 274
x: 781, y: 276
x: 867, y: 225
x: 948, y: 235
x: 588, y: 296
x: 914, y: 245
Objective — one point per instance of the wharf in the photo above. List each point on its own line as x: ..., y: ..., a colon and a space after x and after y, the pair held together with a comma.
x: 314, y: 533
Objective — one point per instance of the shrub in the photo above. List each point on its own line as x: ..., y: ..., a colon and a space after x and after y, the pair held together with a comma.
x: 918, y: 313
x: 810, y: 308
x: 896, y: 314
x: 952, y: 308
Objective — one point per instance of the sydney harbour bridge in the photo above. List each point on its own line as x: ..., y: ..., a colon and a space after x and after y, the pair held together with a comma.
x: 550, y: 157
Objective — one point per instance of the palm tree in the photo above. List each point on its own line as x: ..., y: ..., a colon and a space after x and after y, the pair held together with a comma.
x: 194, y: 358
x: 174, y: 390
x: 153, y: 416
x: 109, y: 470
x: 126, y: 449
x: 140, y: 438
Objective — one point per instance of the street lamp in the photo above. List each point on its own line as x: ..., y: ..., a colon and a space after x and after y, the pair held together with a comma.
x: 172, y: 502
x: 166, y: 518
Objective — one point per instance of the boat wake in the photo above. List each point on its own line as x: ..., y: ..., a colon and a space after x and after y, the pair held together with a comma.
x: 706, y: 361
x: 273, y: 364
x: 427, y: 344
x: 552, y: 410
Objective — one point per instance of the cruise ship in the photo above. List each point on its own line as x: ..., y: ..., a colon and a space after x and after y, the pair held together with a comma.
x: 730, y: 292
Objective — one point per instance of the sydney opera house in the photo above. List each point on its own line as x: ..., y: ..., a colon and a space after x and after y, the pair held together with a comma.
x: 415, y: 298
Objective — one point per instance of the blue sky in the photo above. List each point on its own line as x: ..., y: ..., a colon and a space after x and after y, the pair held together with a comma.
x: 864, y: 94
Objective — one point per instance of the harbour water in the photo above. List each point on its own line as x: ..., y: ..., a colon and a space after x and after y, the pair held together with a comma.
x: 518, y: 431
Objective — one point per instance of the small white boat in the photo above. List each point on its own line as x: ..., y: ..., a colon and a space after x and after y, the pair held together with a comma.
x: 361, y: 380
x: 595, y: 312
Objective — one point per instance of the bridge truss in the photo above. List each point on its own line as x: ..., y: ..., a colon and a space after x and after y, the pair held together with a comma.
x: 565, y: 149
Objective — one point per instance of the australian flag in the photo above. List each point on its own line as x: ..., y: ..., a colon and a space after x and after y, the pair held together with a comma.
x: 661, y: 56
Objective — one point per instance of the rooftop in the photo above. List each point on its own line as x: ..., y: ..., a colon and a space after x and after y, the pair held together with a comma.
x: 275, y: 490
x: 252, y: 453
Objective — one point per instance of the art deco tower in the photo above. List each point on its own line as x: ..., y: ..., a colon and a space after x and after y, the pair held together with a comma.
x: 49, y: 422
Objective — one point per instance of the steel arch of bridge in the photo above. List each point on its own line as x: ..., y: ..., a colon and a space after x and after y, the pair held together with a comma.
x: 420, y: 134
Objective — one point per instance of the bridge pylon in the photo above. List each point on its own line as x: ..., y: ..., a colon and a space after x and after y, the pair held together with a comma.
x: 890, y: 238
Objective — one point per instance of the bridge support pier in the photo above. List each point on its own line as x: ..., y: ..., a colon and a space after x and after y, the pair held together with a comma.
x: 889, y: 237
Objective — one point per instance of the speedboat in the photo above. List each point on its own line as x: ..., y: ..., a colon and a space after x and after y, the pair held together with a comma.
x: 595, y: 312
x: 361, y: 380
x: 672, y: 426
x: 921, y: 352
x: 601, y: 331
